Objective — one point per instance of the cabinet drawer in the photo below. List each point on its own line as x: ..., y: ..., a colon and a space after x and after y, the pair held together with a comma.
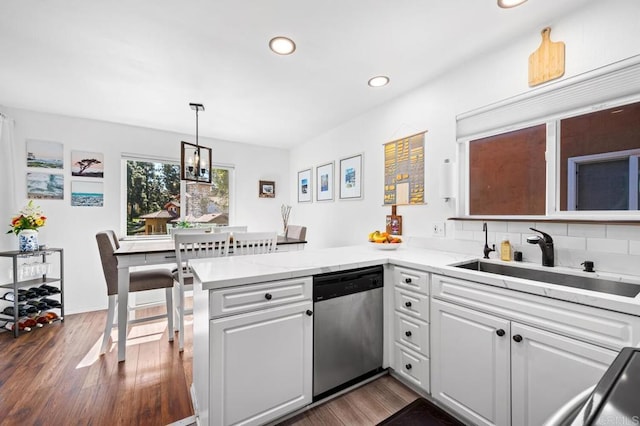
x: 413, y: 304
x: 606, y: 328
x: 252, y: 297
x: 412, y: 367
x: 411, y: 279
x: 412, y: 333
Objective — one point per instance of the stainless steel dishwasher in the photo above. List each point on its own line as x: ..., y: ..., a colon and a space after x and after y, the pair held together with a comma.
x: 347, y: 328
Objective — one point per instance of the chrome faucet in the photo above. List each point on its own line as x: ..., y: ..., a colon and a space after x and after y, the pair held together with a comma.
x: 487, y: 249
x: 546, y: 245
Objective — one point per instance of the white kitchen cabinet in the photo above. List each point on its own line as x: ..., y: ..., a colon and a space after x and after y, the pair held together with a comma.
x: 470, y: 363
x: 411, y: 326
x: 499, y: 372
x: 253, y: 350
x: 263, y: 364
x: 548, y: 370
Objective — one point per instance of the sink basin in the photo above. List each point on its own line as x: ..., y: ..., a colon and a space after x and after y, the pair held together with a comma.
x: 601, y: 285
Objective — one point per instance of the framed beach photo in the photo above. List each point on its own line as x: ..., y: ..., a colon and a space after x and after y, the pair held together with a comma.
x: 44, y: 154
x: 351, y: 178
x: 87, y: 164
x: 45, y: 186
x: 324, y: 182
x: 87, y: 194
x: 267, y: 189
x: 304, y: 186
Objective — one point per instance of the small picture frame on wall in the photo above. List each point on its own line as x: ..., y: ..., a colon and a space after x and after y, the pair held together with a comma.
x: 87, y: 164
x: 324, y: 182
x: 351, y: 178
x: 267, y: 189
x: 304, y: 186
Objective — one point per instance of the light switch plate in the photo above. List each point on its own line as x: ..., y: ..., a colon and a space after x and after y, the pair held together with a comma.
x: 438, y: 229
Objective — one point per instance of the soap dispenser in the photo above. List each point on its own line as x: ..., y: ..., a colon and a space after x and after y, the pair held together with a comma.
x: 505, y: 249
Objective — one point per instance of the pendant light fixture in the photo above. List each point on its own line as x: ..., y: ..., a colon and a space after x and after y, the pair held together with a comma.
x: 195, y: 160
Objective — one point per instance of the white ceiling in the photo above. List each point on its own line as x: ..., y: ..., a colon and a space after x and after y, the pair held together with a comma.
x: 141, y: 62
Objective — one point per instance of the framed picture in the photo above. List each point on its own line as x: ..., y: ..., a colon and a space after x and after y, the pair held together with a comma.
x: 267, y: 189
x: 87, y: 164
x: 304, y: 186
x: 45, y: 186
x: 44, y: 154
x: 195, y: 162
x: 87, y: 194
x: 351, y: 177
x: 324, y: 182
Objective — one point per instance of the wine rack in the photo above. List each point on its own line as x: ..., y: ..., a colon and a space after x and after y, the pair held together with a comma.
x: 32, y: 297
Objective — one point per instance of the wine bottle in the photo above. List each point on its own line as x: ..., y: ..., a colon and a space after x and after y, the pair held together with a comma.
x: 10, y: 296
x: 51, y: 289
x: 39, y: 291
x: 10, y: 325
x: 42, y: 319
x: 51, y: 302
x: 22, y: 312
x: 51, y: 316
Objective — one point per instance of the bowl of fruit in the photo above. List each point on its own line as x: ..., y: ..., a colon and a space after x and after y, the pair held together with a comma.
x: 384, y: 240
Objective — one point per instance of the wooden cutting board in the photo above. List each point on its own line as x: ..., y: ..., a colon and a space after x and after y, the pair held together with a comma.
x: 547, y: 62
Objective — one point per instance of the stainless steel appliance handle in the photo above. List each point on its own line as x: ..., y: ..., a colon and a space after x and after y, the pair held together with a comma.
x: 572, y: 406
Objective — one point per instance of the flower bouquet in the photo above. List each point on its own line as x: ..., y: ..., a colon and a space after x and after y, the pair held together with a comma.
x: 25, y: 225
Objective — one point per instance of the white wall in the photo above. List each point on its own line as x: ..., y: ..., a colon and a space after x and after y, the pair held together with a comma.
x: 74, y: 228
x: 596, y: 36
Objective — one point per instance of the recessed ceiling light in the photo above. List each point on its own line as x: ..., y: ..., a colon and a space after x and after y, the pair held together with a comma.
x: 378, y: 81
x: 282, y: 45
x: 506, y: 4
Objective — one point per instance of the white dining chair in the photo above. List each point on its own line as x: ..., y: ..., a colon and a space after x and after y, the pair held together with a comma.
x: 254, y: 242
x: 231, y: 229
x: 190, y: 246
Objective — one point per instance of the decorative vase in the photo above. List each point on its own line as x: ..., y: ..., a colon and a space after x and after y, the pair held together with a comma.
x: 28, y: 240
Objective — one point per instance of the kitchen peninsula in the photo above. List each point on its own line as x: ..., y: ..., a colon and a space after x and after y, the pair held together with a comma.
x: 253, y: 332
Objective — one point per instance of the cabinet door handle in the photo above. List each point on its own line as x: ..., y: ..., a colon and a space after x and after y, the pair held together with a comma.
x: 407, y: 304
x: 268, y: 296
x: 408, y: 366
x: 407, y: 333
x: 309, y: 312
x: 407, y: 280
x: 500, y: 332
x: 517, y: 338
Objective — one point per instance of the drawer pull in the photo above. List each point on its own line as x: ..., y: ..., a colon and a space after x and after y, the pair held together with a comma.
x: 407, y: 333
x: 268, y: 296
x: 309, y: 312
x: 408, y: 366
x: 407, y: 304
x: 407, y: 280
x: 517, y: 338
x: 500, y: 332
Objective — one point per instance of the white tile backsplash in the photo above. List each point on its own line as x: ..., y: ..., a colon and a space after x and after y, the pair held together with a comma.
x: 607, y: 245
x: 614, y: 248
x: 623, y: 232
x: 550, y: 228
x: 587, y: 230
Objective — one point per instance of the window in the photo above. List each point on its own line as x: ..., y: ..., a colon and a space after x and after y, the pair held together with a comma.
x: 156, y: 199
x: 507, y: 173
x: 153, y: 196
x: 599, y: 160
x: 590, y: 150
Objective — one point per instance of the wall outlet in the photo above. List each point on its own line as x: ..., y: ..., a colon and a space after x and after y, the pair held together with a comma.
x: 438, y: 229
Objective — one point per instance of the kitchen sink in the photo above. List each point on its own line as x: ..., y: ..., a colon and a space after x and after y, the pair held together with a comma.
x: 601, y: 285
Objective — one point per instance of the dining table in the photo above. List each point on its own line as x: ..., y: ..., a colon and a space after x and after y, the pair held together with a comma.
x: 157, y: 251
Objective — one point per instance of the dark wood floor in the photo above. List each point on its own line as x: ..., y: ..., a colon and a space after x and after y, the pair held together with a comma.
x: 54, y: 376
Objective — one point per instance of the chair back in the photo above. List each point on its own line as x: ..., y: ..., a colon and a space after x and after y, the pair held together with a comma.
x: 174, y: 231
x: 107, y: 245
x: 297, y: 232
x: 196, y: 246
x: 254, y: 242
x: 231, y: 229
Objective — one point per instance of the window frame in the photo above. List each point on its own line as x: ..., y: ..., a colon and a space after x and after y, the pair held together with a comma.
x: 512, y: 114
x: 124, y: 157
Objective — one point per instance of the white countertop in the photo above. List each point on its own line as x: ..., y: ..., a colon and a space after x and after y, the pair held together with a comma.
x: 232, y: 271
